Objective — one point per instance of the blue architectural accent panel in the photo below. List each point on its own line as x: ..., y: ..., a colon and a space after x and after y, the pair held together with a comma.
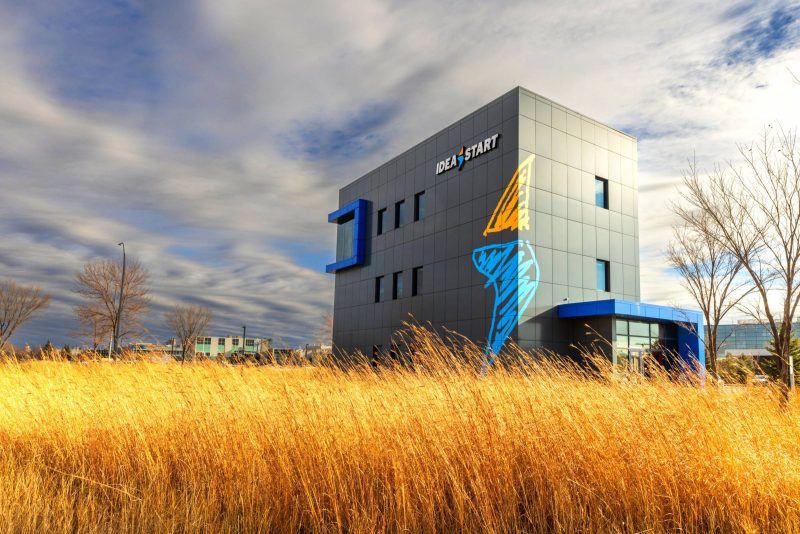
x: 689, y: 323
x: 512, y: 270
x: 359, y: 210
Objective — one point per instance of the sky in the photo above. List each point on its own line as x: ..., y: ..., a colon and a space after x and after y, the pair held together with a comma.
x: 212, y: 137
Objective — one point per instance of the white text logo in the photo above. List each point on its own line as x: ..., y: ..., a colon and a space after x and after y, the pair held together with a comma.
x: 466, y: 154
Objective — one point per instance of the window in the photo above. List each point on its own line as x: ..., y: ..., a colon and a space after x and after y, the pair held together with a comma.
x: 641, y: 329
x: 351, y: 236
x: 640, y: 335
x: 416, y: 281
x: 235, y: 342
x: 381, y: 220
x: 419, y: 206
x: 399, y: 213
x: 601, y: 192
x: 250, y: 343
x: 345, y: 235
x: 379, y: 289
x: 622, y: 326
x: 603, y: 276
x: 397, y: 285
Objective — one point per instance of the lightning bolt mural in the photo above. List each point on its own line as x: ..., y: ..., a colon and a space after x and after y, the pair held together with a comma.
x: 510, y: 268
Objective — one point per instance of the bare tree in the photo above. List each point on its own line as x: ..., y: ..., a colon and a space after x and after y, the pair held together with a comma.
x: 99, y: 284
x: 93, y: 327
x: 754, y: 214
x: 188, y: 322
x: 17, y: 305
x: 711, y: 275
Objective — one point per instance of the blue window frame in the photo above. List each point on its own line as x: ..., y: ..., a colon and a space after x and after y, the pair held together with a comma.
x: 351, y: 235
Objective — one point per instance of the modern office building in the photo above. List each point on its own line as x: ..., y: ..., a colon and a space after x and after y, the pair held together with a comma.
x: 517, y: 222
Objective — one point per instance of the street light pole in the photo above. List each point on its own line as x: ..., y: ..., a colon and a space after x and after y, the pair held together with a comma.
x: 244, y: 336
x: 119, y: 304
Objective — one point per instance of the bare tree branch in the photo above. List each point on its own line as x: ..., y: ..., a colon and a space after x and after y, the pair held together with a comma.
x: 753, y: 214
x: 99, y: 285
x: 93, y: 326
x: 712, y: 277
x: 188, y: 322
x: 17, y: 305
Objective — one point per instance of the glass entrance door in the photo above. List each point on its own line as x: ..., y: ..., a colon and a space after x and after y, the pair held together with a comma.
x: 636, y: 359
x: 644, y: 346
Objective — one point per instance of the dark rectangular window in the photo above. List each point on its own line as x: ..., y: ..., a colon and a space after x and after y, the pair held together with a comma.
x: 397, y: 285
x: 381, y: 221
x: 416, y: 281
x: 603, y: 276
x: 379, y: 289
x: 419, y: 206
x: 601, y: 192
x: 399, y: 213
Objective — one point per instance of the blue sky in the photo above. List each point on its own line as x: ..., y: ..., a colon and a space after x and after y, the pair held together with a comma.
x: 212, y: 137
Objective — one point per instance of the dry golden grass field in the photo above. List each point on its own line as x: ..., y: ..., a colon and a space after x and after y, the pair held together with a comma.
x: 148, y: 447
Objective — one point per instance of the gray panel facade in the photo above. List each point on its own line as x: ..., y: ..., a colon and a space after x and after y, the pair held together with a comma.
x: 568, y: 232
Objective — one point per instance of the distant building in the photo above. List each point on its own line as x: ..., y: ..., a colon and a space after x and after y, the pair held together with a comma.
x: 155, y: 348
x: 746, y: 338
x: 209, y: 347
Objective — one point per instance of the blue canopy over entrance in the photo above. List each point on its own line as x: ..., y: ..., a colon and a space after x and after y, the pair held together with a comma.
x: 689, y: 323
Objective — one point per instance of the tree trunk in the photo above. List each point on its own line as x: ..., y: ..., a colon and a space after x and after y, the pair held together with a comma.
x: 783, y: 367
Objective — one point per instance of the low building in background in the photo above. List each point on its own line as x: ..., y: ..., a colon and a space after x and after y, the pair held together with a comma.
x: 746, y: 338
x: 210, y: 347
x: 215, y: 346
x: 168, y: 348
